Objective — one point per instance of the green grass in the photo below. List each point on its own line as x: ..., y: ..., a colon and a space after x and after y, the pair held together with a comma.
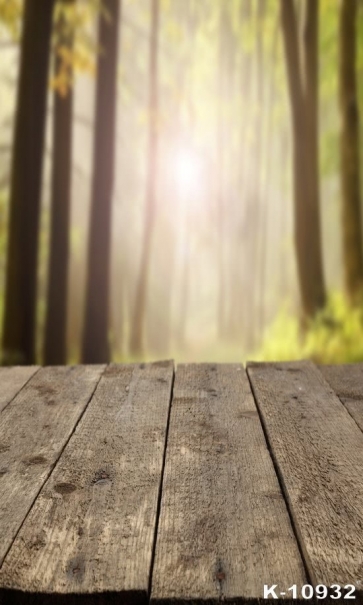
x: 335, y: 335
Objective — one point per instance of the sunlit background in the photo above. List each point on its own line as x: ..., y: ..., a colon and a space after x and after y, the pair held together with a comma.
x: 222, y: 282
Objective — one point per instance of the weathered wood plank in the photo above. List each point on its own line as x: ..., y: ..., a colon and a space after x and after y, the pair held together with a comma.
x: 12, y: 380
x: 34, y: 428
x: 347, y: 382
x: 318, y: 449
x: 224, y: 529
x: 92, y: 527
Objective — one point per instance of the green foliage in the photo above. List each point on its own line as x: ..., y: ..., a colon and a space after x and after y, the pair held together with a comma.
x: 281, y: 341
x: 328, y: 88
x: 73, y: 41
x: 360, y: 60
x: 10, y: 14
x: 328, y: 49
x: 335, y: 336
x: 329, y: 151
x: 72, y: 20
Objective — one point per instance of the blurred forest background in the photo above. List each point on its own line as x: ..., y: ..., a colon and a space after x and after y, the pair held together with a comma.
x: 181, y: 178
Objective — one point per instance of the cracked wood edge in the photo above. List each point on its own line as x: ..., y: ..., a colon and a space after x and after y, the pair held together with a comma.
x: 91, y: 530
x: 12, y: 380
x: 34, y: 429
x: 318, y: 450
x: 347, y: 382
x: 224, y: 529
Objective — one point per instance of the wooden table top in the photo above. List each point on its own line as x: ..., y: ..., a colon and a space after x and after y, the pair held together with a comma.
x: 138, y: 483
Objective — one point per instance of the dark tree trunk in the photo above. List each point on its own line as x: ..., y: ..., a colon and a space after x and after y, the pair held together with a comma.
x: 138, y: 322
x: 55, y: 350
x: 311, y: 58
x: 349, y: 151
x: 26, y: 178
x: 96, y: 329
x: 306, y: 210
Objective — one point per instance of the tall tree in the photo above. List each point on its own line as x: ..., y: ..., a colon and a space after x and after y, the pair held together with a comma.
x: 256, y: 203
x: 268, y: 154
x: 138, y: 321
x: 96, y: 337
x: 302, y: 83
x: 26, y: 176
x: 349, y: 151
x: 56, y: 318
x: 220, y: 145
x: 244, y: 233
x: 118, y: 299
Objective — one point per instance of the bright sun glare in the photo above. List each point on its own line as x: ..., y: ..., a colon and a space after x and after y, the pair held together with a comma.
x: 188, y: 168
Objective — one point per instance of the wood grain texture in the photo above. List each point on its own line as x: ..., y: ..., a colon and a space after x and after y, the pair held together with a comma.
x: 224, y: 529
x: 347, y: 381
x: 92, y: 527
x: 12, y: 380
x: 34, y: 428
x: 318, y: 449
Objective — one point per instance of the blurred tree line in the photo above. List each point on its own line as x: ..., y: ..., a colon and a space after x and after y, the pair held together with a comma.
x: 181, y: 177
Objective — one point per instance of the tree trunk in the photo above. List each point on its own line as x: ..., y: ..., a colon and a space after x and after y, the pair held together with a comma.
x: 138, y: 323
x: 26, y: 178
x: 311, y: 59
x: 246, y: 81
x: 349, y: 151
x: 268, y: 154
x: 220, y: 176
x: 181, y: 327
x: 257, y: 205
x: 96, y: 330
x: 118, y: 291
x: 306, y: 210
x: 55, y: 350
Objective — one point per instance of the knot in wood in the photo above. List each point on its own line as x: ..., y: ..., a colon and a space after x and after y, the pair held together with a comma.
x: 101, y: 477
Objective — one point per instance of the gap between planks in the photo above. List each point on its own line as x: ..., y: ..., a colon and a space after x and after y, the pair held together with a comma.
x: 13, y: 380
x: 79, y: 507
x: 347, y: 382
x: 318, y: 450
x: 224, y: 529
x: 34, y: 428
x: 159, y: 505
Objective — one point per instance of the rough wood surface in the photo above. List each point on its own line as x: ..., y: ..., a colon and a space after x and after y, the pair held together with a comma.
x: 347, y: 382
x: 318, y: 449
x: 12, y: 380
x: 224, y: 529
x: 34, y: 428
x: 92, y: 526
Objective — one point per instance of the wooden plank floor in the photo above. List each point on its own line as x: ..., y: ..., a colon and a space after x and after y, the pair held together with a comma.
x: 145, y: 483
